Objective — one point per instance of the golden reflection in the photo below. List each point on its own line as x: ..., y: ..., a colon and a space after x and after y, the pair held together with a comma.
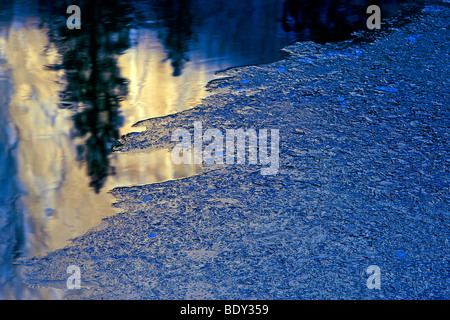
x: 59, y: 202
x: 153, y: 90
x: 54, y: 181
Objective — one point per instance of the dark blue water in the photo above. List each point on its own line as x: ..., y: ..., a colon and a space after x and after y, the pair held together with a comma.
x: 66, y: 96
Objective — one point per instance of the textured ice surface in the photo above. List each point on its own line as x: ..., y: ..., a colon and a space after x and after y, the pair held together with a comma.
x: 363, y: 181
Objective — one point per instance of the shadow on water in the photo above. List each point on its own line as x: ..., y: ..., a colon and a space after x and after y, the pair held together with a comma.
x: 66, y: 96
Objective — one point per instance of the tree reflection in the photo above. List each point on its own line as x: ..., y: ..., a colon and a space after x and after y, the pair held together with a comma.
x: 94, y: 85
x: 177, y: 18
x: 89, y: 55
x: 329, y: 20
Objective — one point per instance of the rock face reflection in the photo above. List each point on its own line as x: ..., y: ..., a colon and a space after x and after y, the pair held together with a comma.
x: 12, y: 231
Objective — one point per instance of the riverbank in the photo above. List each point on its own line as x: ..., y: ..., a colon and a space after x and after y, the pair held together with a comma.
x: 363, y: 180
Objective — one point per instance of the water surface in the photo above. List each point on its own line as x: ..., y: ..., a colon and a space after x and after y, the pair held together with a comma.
x: 66, y: 96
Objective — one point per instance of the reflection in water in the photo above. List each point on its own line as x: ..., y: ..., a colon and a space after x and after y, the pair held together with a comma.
x: 11, y: 225
x: 94, y: 86
x: 67, y: 95
x: 328, y: 20
x: 335, y: 20
x: 177, y: 17
x: 38, y: 135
